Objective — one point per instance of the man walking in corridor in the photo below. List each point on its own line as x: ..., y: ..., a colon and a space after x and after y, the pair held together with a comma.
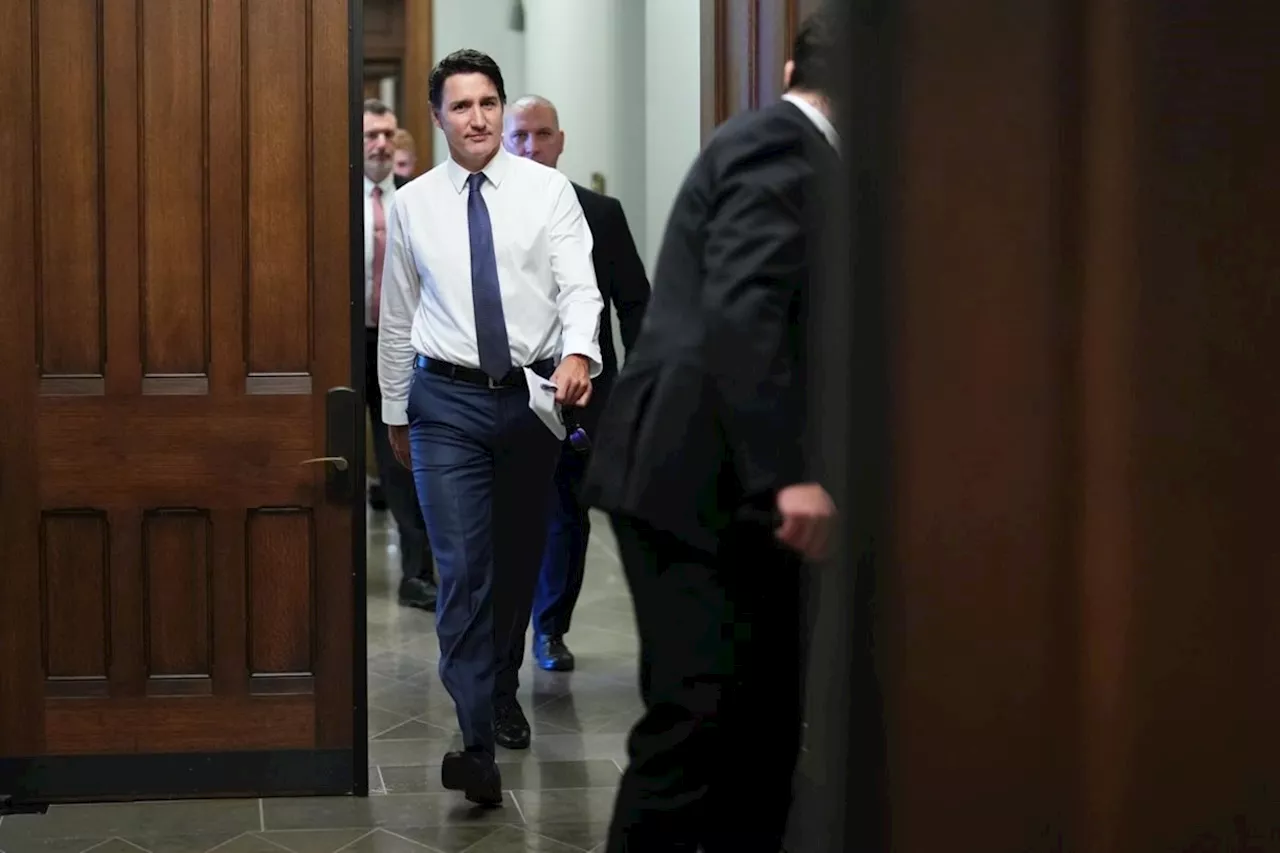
x: 488, y: 273
x: 703, y: 462
x: 533, y: 131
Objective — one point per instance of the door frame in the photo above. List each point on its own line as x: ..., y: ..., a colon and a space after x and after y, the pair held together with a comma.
x: 359, y: 531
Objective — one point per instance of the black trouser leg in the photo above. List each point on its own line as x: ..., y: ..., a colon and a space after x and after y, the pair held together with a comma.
x: 712, y: 759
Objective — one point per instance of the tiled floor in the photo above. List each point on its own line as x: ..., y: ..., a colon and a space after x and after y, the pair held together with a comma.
x: 560, y: 791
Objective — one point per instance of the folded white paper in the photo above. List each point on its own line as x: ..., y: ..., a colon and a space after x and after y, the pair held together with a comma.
x: 542, y: 400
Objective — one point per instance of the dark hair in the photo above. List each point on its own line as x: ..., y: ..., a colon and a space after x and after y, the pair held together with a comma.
x: 814, y: 53
x: 375, y: 107
x: 465, y: 61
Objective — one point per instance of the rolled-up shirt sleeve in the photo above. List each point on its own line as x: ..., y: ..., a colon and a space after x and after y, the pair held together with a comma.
x: 578, y: 301
x: 400, y: 294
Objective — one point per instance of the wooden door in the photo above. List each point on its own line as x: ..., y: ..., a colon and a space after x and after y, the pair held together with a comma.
x: 176, y: 599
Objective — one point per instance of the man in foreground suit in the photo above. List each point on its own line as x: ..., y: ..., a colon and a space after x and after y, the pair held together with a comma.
x: 417, y: 584
x: 532, y: 130
x: 702, y: 460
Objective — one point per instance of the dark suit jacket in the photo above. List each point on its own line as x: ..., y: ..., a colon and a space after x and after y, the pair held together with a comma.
x: 620, y: 275
x: 709, y: 414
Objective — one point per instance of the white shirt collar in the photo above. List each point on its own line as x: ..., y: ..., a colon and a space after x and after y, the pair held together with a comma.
x: 494, y: 171
x: 388, y: 184
x: 815, y: 115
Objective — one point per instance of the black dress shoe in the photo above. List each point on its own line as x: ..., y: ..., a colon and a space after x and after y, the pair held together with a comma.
x: 377, y: 500
x: 475, y: 774
x: 415, y: 592
x: 510, y: 728
x: 552, y: 654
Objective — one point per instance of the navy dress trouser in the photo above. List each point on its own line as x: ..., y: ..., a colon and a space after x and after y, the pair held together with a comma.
x: 564, y: 559
x: 483, y: 464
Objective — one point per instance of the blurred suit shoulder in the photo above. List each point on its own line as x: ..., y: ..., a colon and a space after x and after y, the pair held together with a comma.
x: 662, y: 454
x: 773, y: 147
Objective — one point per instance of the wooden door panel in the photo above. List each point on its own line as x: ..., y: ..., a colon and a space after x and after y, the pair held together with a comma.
x: 177, y: 302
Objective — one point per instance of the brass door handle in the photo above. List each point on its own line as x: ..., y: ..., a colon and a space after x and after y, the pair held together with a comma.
x: 339, y: 462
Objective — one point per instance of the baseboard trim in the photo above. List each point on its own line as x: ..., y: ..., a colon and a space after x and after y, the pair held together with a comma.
x: 108, y: 778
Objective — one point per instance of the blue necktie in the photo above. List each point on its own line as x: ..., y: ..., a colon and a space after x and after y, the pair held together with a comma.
x: 486, y: 297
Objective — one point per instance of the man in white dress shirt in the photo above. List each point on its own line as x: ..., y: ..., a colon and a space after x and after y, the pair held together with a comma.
x: 488, y: 271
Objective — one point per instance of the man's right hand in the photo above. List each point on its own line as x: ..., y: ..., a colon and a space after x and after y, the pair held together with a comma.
x: 808, y: 514
x: 399, y: 437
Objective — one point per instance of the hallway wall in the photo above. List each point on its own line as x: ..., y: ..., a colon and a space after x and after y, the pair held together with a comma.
x: 625, y: 75
x: 484, y: 25
x: 673, y: 107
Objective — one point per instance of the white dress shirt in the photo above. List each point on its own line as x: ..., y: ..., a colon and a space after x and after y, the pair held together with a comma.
x: 550, y: 299
x: 388, y: 185
x: 815, y: 115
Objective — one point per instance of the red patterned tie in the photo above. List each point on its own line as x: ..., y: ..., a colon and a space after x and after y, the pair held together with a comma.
x: 379, y: 252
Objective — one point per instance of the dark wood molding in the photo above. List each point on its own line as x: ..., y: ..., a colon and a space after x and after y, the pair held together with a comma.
x: 791, y: 22
x: 384, y: 22
x: 397, y: 43
x: 753, y: 54
x: 718, y: 63
x: 749, y: 44
x: 415, y: 73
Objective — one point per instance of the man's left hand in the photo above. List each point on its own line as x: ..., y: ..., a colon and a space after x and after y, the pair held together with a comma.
x: 573, y: 381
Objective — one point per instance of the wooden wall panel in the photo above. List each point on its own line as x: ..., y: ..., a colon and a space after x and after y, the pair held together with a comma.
x: 172, y: 136
x: 280, y: 559
x: 279, y: 200
x: 1179, y: 553
x: 69, y: 174
x: 981, y: 459
x: 76, y: 607
x: 1077, y: 632
x: 179, y: 624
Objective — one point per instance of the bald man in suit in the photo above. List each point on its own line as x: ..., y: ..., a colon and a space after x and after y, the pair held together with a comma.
x: 532, y: 130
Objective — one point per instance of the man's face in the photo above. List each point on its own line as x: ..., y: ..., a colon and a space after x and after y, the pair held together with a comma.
x: 378, y: 150
x: 404, y: 162
x: 470, y: 115
x: 535, y: 133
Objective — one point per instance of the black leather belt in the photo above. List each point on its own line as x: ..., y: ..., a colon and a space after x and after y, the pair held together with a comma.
x: 475, y: 376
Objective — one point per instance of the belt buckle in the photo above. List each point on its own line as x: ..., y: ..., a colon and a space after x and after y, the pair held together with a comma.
x: 494, y: 384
